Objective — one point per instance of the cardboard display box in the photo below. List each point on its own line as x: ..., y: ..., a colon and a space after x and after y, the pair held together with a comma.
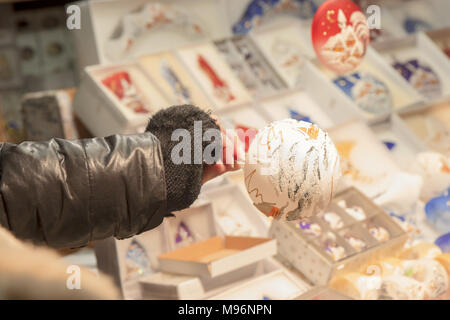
x: 310, y: 252
x: 217, y: 256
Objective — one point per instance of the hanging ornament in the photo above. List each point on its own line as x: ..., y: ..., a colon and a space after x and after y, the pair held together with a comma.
x: 340, y: 35
x: 421, y: 76
x: 370, y: 94
x: 136, y: 261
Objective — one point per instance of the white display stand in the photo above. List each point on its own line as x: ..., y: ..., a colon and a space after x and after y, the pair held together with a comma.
x: 99, y: 18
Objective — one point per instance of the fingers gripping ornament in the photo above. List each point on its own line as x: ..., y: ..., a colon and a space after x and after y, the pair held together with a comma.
x: 340, y: 35
x: 291, y: 170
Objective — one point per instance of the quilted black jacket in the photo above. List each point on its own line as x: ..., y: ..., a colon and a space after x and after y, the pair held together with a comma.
x: 66, y: 193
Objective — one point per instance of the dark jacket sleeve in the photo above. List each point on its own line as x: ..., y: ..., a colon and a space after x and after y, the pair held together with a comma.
x: 66, y: 193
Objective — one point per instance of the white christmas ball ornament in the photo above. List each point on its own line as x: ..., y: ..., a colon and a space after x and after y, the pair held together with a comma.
x: 291, y: 170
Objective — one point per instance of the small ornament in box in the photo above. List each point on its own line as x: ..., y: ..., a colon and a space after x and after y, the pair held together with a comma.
x: 326, y: 245
x: 214, y: 75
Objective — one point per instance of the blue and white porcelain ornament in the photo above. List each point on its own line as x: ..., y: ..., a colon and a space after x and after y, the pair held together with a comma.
x: 421, y: 77
x: 437, y: 211
x: 136, y: 261
x: 443, y: 242
x: 368, y: 92
x: 414, y: 25
x: 291, y: 170
x: 258, y: 10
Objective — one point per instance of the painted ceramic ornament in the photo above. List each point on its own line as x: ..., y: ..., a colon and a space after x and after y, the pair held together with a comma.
x: 334, y: 220
x: 399, y: 287
x: 336, y: 251
x: 369, y: 93
x: 379, y: 233
x: 348, y: 168
x: 421, y: 76
x: 257, y: 10
x: 340, y: 35
x: 221, y: 89
x: 431, y: 275
x: 179, y: 89
x: 291, y: 170
x: 246, y: 135
x: 355, y: 242
x: 414, y: 25
x: 434, y: 168
x: 150, y: 17
x: 136, y: 261
x: 355, y: 212
x: 183, y: 236
x: 443, y: 242
x: 437, y: 211
x: 311, y: 229
x: 121, y: 85
x: 288, y: 56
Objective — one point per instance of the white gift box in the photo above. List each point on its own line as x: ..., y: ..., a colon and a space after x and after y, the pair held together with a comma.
x: 198, y: 224
x: 419, y: 46
x: 100, y: 18
x: 402, y: 94
x: 101, y: 110
x: 247, y: 116
x: 315, y: 97
x: 175, y: 286
x: 307, y: 253
x: 230, y: 92
x: 277, y: 285
x: 365, y: 161
x: 173, y: 79
x: 250, y: 66
x: 406, y: 144
x: 286, y: 48
x: 235, y: 214
x: 430, y: 123
x: 171, y: 286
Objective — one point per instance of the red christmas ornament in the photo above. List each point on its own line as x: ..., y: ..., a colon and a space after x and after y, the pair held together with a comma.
x: 340, y: 35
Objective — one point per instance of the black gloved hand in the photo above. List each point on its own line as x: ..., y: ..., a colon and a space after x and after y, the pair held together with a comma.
x: 183, y: 181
